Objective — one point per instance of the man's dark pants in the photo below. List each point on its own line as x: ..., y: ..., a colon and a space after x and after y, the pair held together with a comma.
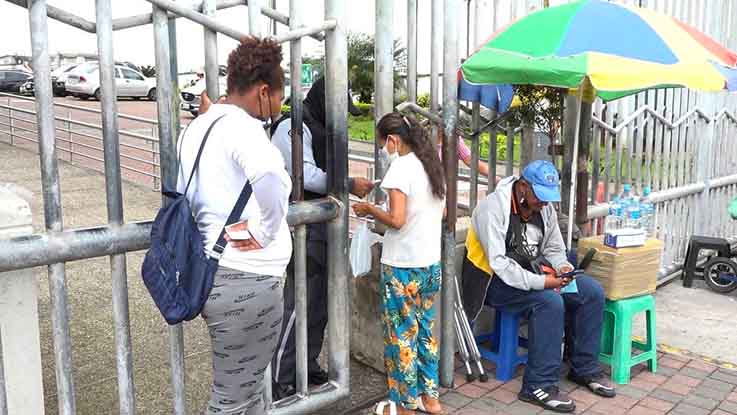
x: 284, y: 365
x: 546, y: 313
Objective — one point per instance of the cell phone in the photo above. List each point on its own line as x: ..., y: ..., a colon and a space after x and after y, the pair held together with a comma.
x: 237, y: 235
x: 571, y: 275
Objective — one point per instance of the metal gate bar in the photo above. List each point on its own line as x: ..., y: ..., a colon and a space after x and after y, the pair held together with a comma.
x: 117, y: 238
x: 450, y: 148
x: 52, y: 203
x: 114, y: 195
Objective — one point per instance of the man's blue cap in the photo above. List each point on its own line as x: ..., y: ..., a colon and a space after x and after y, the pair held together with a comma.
x: 543, y: 176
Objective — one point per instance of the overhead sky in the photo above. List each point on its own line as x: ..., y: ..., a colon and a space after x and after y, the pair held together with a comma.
x: 136, y: 45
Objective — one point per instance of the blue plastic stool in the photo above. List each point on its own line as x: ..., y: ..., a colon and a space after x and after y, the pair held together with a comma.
x: 504, y: 341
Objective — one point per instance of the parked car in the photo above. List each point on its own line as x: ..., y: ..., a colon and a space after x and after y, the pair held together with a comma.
x: 191, y: 95
x: 58, y: 89
x: 84, y: 82
x: 61, y: 75
x: 12, y: 80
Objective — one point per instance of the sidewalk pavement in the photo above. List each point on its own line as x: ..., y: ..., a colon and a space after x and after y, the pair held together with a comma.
x: 681, y: 386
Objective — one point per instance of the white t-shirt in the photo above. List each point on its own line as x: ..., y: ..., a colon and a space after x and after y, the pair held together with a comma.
x: 417, y: 243
x: 237, y: 147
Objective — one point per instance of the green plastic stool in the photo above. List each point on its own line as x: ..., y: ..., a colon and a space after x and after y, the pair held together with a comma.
x: 616, y: 337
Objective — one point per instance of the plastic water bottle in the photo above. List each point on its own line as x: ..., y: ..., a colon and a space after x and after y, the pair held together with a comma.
x: 634, y: 215
x: 626, y: 197
x: 613, y: 221
x: 648, y: 212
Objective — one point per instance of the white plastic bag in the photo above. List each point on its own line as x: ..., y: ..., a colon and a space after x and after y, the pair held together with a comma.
x: 360, y: 254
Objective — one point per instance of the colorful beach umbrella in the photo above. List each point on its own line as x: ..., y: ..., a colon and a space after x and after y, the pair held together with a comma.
x: 621, y: 49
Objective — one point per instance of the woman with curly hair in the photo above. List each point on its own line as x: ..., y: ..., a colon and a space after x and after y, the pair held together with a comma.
x: 244, y: 309
x: 410, y: 264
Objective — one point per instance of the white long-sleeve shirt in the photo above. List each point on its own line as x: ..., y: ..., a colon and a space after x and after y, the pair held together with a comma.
x: 238, y: 149
x: 316, y: 180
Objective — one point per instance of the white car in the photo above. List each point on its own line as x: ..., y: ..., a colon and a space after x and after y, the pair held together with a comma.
x: 60, y: 78
x: 191, y: 94
x: 84, y: 82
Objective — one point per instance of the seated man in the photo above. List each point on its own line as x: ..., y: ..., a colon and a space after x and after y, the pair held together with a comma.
x: 514, y: 229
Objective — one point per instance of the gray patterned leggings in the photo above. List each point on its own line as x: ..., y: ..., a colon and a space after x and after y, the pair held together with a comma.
x: 244, y: 316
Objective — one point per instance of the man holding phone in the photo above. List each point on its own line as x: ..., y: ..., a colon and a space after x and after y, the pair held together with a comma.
x: 515, y: 229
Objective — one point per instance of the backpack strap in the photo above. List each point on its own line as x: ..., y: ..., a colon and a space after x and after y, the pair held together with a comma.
x: 234, y: 216
x: 199, y: 153
x: 240, y: 204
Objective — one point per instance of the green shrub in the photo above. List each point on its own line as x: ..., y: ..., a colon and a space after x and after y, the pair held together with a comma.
x: 366, y: 109
x: 501, y: 147
x: 361, y: 128
x: 423, y: 100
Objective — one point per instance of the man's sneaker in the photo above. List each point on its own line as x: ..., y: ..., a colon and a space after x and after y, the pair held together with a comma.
x: 598, y: 384
x: 549, y: 398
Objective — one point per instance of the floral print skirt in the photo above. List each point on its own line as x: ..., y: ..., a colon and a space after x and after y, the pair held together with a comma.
x: 408, y: 317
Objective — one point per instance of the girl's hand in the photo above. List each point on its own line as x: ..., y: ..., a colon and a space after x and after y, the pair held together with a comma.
x: 242, y: 244
x: 363, y: 209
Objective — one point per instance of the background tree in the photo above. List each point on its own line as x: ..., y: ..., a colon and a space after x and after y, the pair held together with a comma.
x: 540, y: 106
x: 361, y: 64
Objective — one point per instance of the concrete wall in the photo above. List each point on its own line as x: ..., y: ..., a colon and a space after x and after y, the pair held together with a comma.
x: 21, y: 385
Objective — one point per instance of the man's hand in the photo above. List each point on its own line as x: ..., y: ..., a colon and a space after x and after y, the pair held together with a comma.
x: 565, y: 269
x: 363, y: 209
x: 361, y: 186
x: 242, y: 244
x: 553, y: 282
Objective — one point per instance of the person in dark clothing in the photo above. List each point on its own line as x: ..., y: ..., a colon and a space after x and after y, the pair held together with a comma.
x: 315, y: 144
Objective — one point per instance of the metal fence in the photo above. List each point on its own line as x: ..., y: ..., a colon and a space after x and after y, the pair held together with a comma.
x: 678, y: 142
x: 116, y: 238
x: 681, y: 143
x: 658, y: 144
x: 79, y: 137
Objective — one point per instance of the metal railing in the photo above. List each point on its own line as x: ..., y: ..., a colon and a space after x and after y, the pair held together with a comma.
x: 116, y: 238
x: 81, y: 142
x: 693, y: 181
x: 679, y: 142
x: 715, y: 182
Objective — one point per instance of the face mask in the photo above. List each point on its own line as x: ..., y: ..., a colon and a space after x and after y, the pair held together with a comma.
x: 389, y: 157
x: 393, y: 156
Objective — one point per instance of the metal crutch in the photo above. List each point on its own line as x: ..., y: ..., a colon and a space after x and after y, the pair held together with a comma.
x: 470, y: 377
x: 468, y: 334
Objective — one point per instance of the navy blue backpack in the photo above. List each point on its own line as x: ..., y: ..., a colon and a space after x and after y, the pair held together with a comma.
x: 176, y: 270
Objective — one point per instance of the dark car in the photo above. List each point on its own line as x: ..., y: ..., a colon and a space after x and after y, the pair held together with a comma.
x: 11, y: 80
x: 58, y: 87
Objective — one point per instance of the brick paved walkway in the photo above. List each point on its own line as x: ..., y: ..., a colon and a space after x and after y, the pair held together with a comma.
x: 681, y: 386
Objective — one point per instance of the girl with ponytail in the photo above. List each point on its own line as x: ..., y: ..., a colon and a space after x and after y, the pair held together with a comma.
x: 410, y: 260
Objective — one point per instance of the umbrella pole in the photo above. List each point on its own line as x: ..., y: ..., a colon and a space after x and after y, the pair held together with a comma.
x: 574, y: 169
